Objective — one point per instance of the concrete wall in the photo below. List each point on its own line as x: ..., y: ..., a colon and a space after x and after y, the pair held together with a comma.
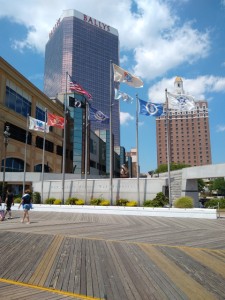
x: 121, y: 188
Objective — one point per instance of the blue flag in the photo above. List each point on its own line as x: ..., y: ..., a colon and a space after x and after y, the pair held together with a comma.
x: 150, y: 108
x: 97, y: 116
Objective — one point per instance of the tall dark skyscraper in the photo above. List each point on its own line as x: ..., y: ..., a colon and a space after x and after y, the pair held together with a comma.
x: 83, y: 47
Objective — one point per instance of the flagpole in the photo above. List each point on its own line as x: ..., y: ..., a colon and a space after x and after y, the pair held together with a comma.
x: 43, y: 159
x: 86, y: 144
x: 64, y: 146
x: 168, y: 147
x: 25, y: 156
x: 110, y: 133
x: 137, y: 153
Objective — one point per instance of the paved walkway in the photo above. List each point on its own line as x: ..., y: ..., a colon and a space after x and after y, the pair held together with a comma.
x: 90, y: 256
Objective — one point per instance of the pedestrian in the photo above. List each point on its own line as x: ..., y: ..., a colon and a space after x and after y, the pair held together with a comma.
x: 26, y: 203
x: 9, y: 201
x: 2, y: 212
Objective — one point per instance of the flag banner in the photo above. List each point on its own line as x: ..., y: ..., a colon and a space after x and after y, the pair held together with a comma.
x: 38, y: 125
x: 98, y: 116
x: 180, y: 102
x: 150, y: 108
x: 121, y: 75
x: 123, y: 96
x: 75, y: 87
x: 73, y: 102
x: 56, y: 121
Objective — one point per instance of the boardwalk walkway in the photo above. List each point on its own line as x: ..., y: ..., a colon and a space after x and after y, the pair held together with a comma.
x: 90, y: 256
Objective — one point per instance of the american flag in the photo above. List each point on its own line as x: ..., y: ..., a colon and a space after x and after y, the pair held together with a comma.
x: 74, y: 86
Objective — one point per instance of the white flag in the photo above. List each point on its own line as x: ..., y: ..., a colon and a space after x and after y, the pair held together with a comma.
x: 121, y: 95
x: 38, y: 125
x: 180, y: 102
x: 121, y: 75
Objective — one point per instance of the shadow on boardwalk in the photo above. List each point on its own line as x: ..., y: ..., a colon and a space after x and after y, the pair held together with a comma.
x: 86, y: 256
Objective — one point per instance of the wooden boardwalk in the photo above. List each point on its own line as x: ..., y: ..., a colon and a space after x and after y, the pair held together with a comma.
x: 90, y: 256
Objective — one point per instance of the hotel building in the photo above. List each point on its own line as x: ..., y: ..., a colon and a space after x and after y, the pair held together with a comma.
x: 83, y: 47
x: 189, y: 135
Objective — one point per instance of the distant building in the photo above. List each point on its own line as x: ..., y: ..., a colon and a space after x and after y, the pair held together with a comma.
x: 132, y: 161
x: 83, y: 47
x: 189, y: 134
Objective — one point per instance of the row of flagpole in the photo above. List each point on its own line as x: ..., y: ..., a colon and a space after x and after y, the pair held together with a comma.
x: 120, y: 75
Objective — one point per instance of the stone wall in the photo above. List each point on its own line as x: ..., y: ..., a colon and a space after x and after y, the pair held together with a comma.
x: 126, y: 188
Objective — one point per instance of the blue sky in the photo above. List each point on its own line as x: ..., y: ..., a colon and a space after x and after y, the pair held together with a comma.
x: 159, y: 40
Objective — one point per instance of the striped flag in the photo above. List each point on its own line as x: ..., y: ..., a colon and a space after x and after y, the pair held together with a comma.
x: 75, y: 87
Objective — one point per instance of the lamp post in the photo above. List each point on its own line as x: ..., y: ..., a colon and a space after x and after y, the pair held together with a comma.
x: 6, y: 134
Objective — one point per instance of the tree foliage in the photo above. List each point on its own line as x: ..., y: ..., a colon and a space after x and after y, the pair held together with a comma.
x: 201, y: 185
x: 173, y: 166
x: 219, y: 185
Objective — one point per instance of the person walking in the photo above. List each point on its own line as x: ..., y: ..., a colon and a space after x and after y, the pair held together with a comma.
x: 26, y: 203
x: 9, y: 201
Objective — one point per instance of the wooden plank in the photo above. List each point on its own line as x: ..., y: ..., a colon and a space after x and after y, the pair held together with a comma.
x: 189, y: 286
x: 40, y: 274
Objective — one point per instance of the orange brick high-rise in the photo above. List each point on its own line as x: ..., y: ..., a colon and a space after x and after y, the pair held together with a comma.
x: 189, y: 134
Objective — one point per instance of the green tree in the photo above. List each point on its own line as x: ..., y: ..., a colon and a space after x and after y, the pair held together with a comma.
x: 219, y: 185
x: 201, y: 185
x: 173, y: 166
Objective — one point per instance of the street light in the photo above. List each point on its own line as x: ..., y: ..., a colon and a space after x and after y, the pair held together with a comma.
x: 6, y: 134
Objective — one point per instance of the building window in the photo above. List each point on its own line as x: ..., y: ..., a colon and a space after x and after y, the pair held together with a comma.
x: 13, y: 165
x: 19, y: 134
x: 17, y: 102
x: 59, y: 150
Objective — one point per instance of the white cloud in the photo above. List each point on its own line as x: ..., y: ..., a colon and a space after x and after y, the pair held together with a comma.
x: 125, y: 118
x: 154, y: 36
x: 220, y: 128
x: 200, y: 88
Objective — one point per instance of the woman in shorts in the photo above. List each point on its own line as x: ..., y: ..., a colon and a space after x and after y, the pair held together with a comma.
x: 26, y: 203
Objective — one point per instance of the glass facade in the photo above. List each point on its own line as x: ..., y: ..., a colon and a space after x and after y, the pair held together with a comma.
x: 17, y: 99
x: 84, y: 50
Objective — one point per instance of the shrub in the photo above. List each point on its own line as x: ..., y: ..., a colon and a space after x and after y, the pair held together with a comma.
x: 147, y: 203
x: 57, y: 202
x: 50, y: 200
x: 71, y: 201
x: 95, y: 201
x: 214, y: 203
x: 161, y: 199
x: 184, y: 202
x: 104, y: 203
x: 79, y: 202
x: 121, y: 202
x: 17, y: 200
x: 152, y: 203
x: 36, y: 198
x: 131, y: 203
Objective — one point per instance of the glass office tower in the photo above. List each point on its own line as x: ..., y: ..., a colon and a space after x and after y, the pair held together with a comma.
x: 83, y: 47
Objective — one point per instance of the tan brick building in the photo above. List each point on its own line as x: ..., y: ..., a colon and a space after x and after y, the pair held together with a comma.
x: 189, y: 135
x: 19, y: 97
